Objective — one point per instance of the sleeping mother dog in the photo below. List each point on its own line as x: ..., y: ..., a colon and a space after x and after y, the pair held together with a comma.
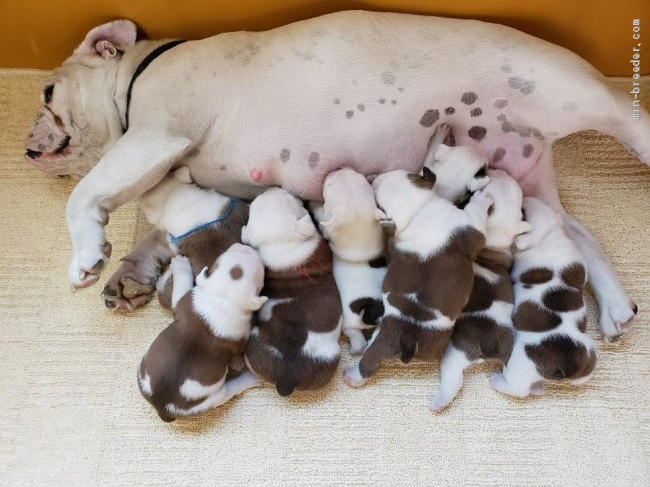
x: 249, y: 110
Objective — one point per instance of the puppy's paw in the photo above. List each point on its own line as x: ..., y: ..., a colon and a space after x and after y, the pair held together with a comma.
x: 616, y: 318
x: 131, y: 286
x: 180, y: 263
x: 483, y: 198
x: 441, y: 135
x: 352, y: 377
x: 358, y: 342
x: 437, y: 404
x: 87, y: 265
x: 497, y: 381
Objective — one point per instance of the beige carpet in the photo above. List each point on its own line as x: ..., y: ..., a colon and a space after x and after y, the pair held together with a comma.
x: 71, y: 413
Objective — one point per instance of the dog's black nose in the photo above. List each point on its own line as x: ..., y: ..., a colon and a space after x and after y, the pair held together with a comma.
x: 34, y: 154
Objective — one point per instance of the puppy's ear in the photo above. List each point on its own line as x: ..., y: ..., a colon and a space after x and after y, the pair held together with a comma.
x: 388, y: 226
x: 109, y: 39
x: 256, y: 302
x: 524, y: 227
x: 202, y: 278
x: 305, y: 226
x: 183, y: 175
x: 429, y: 176
x: 380, y: 215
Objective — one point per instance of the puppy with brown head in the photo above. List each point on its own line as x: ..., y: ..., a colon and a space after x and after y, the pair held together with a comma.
x: 350, y: 221
x: 550, y: 320
x: 184, y: 370
x: 484, y: 328
x: 294, y: 344
x: 430, y: 274
x: 201, y: 223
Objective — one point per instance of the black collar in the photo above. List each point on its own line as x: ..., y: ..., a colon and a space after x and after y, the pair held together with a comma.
x: 141, y: 67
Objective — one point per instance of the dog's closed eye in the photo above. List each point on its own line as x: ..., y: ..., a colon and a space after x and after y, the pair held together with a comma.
x: 48, y: 92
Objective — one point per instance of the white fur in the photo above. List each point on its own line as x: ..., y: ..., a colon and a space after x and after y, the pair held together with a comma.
x: 192, y: 389
x: 452, y: 365
x: 145, y: 384
x: 323, y: 346
x: 265, y: 313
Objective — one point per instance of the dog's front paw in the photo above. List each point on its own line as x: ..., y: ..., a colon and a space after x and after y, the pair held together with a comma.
x: 441, y: 135
x: 352, y: 377
x: 131, y: 286
x: 180, y: 263
x: 87, y: 265
x: 483, y: 198
x: 615, y: 319
x: 438, y: 403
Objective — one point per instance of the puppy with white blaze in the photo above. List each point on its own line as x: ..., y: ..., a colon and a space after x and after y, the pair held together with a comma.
x: 430, y: 274
x: 350, y: 220
x: 184, y: 371
x: 550, y: 320
x: 196, y: 222
x: 484, y: 330
x: 295, y: 341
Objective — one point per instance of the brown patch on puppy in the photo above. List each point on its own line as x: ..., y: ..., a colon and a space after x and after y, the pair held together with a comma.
x: 469, y: 98
x: 426, y: 181
x: 559, y: 357
x: 477, y: 133
x: 537, y: 275
x: 574, y: 276
x: 481, y: 337
x: 429, y: 118
x: 531, y: 317
x: 410, y: 308
x: 563, y: 300
x: 582, y: 324
x: 236, y: 273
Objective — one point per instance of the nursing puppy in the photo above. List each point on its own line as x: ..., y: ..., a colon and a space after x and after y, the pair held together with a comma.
x: 200, y: 223
x: 484, y: 329
x: 184, y: 371
x: 430, y: 275
x: 460, y: 171
x: 551, y: 342
x: 295, y: 343
x: 350, y: 220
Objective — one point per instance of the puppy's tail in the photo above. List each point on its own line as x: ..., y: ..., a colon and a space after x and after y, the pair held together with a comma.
x: 408, y: 345
x: 285, y: 386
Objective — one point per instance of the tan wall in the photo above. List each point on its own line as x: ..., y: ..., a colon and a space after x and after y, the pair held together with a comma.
x: 41, y: 33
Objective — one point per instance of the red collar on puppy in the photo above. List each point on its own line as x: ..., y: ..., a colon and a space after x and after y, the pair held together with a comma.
x: 319, y: 264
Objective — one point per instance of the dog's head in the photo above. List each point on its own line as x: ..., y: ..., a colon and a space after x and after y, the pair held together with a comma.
x: 459, y: 171
x: 277, y: 223
x: 350, y: 217
x: 237, y: 275
x: 400, y: 194
x: 505, y: 220
x: 79, y: 120
x: 541, y: 217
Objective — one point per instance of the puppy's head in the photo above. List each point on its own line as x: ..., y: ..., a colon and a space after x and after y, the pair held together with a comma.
x: 237, y: 275
x: 542, y: 219
x: 350, y: 217
x: 505, y: 221
x: 400, y: 194
x: 459, y: 171
x: 277, y: 218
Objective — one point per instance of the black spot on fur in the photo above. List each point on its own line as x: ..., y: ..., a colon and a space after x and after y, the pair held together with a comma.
x: 429, y: 118
x: 337, y: 101
x: 370, y: 309
x: 361, y: 107
x: 349, y: 114
x: 499, y: 154
x: 469, y: 98
x: 501, y: 104
x: 313, y: 159
x: 450, y: 110
x: 527, y: 151
x: 520, y: 84
x: 382, y: 100
x: 476, y: 112
x: 285, y: 154
x: 477, y: 133
x: 378, y: 262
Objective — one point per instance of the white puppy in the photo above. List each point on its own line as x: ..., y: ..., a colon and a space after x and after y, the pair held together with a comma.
x: 430, y: 275
x: 184, y: 370
x: 349, y: 219
x: 484, y: 330
x: 295, y: 343
x: 550, y: 317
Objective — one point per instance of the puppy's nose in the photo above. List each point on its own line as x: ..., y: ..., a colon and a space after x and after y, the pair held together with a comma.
x: 34, y: 154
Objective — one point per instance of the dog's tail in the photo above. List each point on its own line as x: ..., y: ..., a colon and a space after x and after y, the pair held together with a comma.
x: 408, y: 345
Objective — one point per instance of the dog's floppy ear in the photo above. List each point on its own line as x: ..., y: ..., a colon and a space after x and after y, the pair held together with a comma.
x: 429, y: 176
x: 202, y: 277
x: 305, y: 226
x: 256, y: 302
x: 183, y: 175
x: 109, y: 39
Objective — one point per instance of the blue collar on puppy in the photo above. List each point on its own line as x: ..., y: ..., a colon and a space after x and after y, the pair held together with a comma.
x: 176, y: 240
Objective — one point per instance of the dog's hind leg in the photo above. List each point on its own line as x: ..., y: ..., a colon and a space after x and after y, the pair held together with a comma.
x: 382, y: 345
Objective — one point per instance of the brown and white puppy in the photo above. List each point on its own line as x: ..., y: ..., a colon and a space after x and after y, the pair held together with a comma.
x: 430, y: 274
x: 295, y: 343
x: 550, y: 320
x: 200, y: 223
x: 350, y: 220
x: 484, y: 329
x: 184, y: 371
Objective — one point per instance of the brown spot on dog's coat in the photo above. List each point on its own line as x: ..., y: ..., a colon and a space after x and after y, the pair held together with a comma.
x: 285, y: 154
x: 382, y: 100
x: 574, y: 276
x: 476, y: 112
x: 559, y: 357
x: 537, y: 275
x: 477, y: 133
x: 426, y: 181
x: 236, y: 273
x: 531, y: 317
x: 450, y: 110
x: 501, y: 104
x: 582, y: 324
x: 361, y: 107
x: 313, y: 159
x: 349, y: 114
x: 499, y: 153
x: 469, y: 97
x: 481, y: 337
x: 520, y: 84
x: 337, y: 101
x: 563, y: 300
x: 527, y: 151
x: 429, y: 118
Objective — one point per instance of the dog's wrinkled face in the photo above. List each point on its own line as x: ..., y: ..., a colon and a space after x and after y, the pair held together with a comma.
x: 505, y: 221
x: 238, y: 275
x: 79, y: 120
x: 401, y: 194
x: 276, y: 217
x: 350, y: 219
x: 459, y: 171
x: 541, y: 217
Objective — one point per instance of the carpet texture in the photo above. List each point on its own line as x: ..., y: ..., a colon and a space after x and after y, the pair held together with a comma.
x: 71, y: 413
